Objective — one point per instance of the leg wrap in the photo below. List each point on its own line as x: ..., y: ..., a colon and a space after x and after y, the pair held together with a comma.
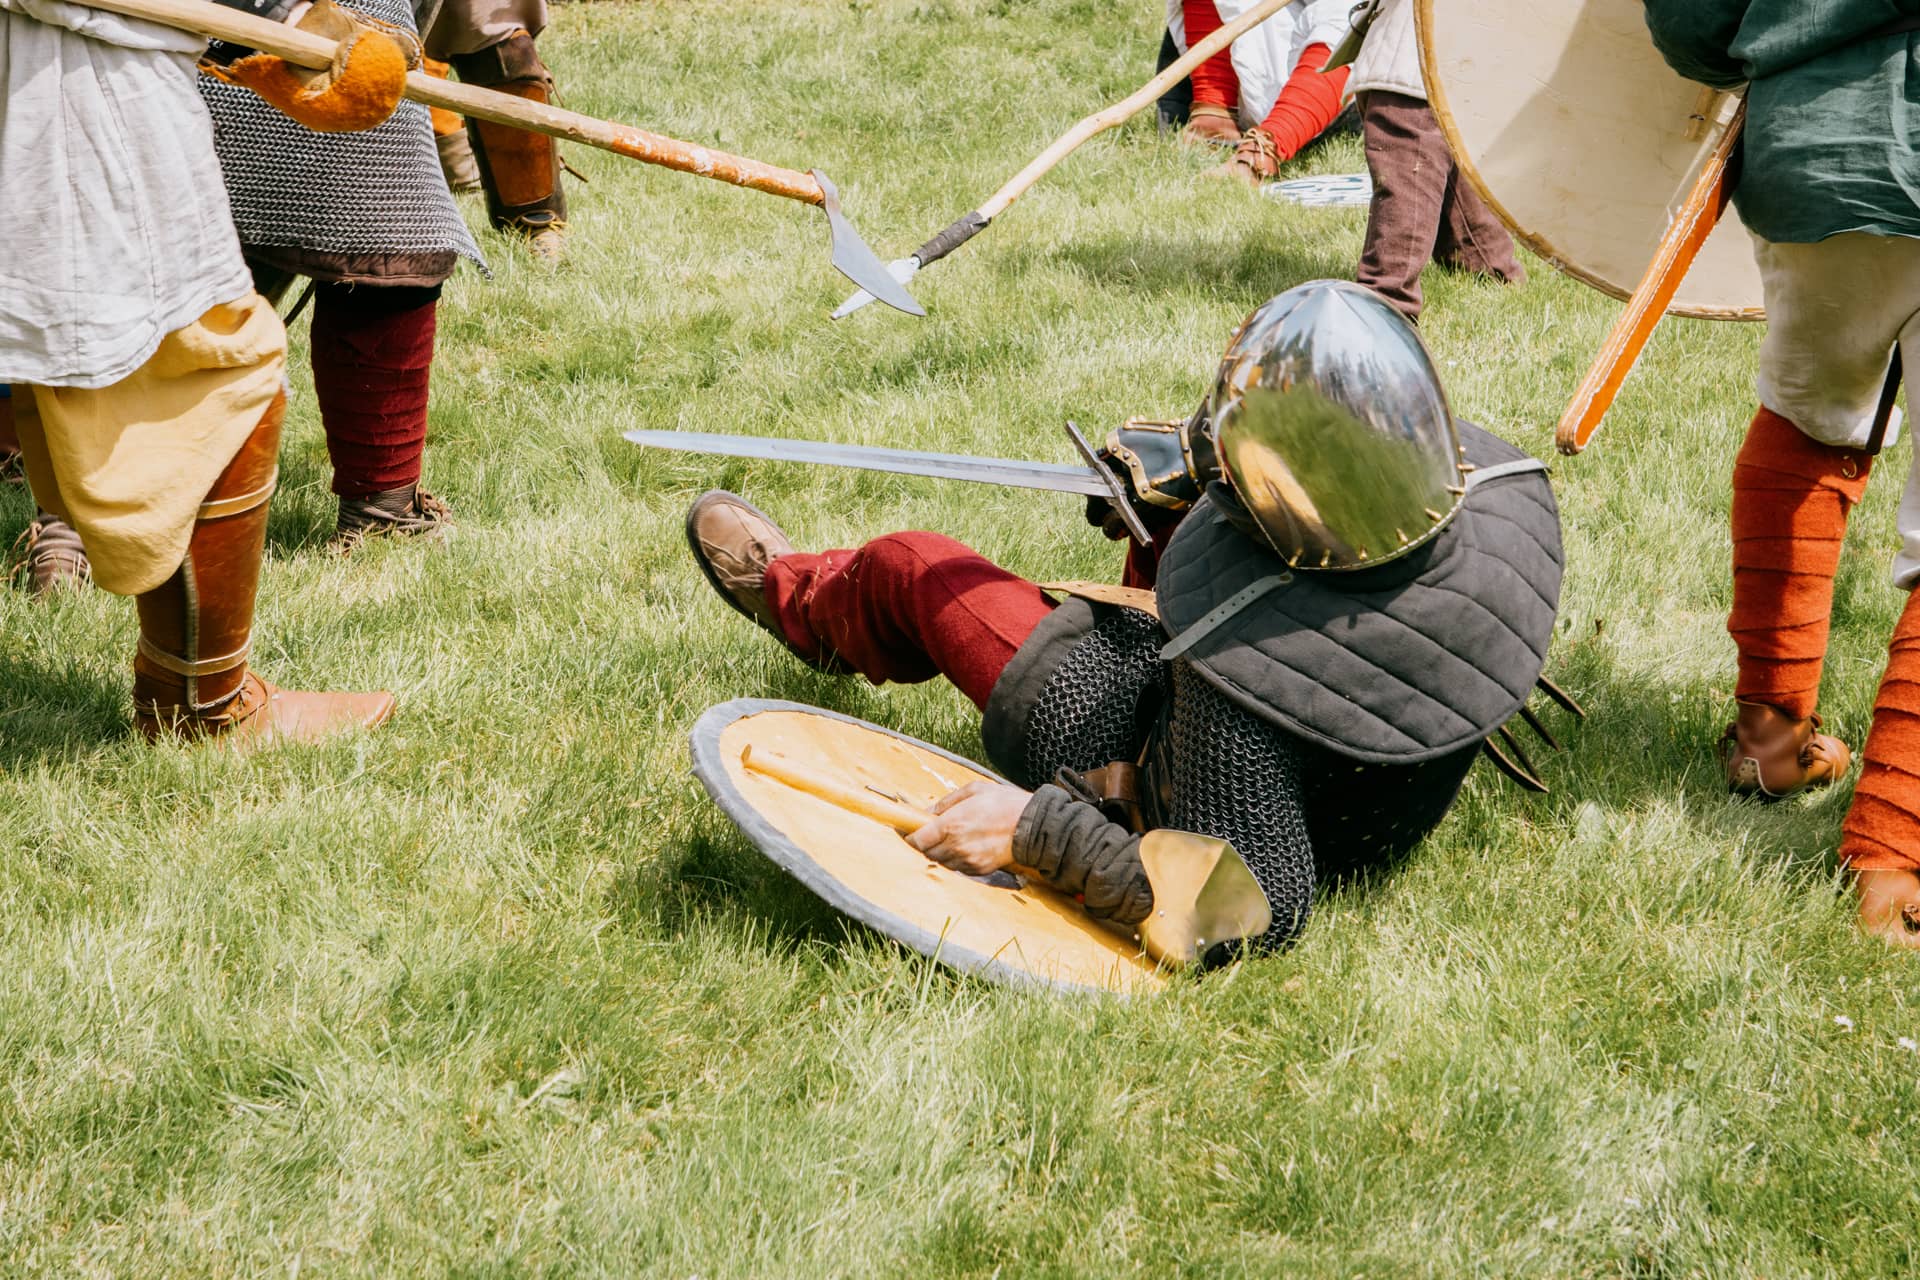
x: 520, y: 171
x: 372, y: 359
x: 1882, y: 830
x: 1791, y: 496
x: 196, y: 627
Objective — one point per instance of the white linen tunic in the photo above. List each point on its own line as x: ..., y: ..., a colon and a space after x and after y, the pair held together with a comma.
x: 117, y: 230
x: 1264, y: 57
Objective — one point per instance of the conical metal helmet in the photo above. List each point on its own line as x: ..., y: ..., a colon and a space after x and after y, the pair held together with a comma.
x: 1333, y: 430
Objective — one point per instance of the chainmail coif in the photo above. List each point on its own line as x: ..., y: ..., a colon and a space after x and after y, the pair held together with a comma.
x: 1090, y: 713
x: 1237, y: 778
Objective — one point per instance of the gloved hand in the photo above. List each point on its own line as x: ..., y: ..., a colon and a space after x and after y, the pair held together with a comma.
x: 359, y: 90
x: 1166, y: 466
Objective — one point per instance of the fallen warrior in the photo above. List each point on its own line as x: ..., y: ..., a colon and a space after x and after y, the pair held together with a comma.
x: 1351, y: 592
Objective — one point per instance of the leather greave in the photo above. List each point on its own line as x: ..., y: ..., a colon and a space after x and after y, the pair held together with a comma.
x: 197, y: 626
x: 520, y: 171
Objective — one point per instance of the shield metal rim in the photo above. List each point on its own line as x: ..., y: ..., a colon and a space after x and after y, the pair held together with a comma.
x: 1542, y: 247
x: 710, y: 767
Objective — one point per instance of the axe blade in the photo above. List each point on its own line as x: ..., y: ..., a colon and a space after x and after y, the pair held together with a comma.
x: 854, y: 260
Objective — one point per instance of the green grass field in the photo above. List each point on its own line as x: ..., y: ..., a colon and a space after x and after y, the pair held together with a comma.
x: 497, y: 991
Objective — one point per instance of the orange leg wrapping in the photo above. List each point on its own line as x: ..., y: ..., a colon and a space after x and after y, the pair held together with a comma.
x: 1882, y: 830
x: 1791, y: 496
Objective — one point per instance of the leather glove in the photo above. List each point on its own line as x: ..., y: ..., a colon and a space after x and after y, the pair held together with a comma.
x: 361, y: 88
x: 1166, y: 466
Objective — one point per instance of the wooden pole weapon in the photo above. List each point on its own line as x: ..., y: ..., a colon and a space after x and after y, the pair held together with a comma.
x: 969, y: 225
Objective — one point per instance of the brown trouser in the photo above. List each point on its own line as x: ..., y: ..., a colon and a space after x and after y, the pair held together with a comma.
x: 1423, y: 207
x: 468, y: 26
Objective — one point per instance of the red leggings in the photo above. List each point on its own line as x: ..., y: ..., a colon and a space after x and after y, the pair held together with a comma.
x: 906, y: 608
x: 372, y: 354
x: 1307, y: 104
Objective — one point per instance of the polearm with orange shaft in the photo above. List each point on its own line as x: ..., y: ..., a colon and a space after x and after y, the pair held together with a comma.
x: 1695, y: 220
x: 969, y: 225
x: 851, y: 256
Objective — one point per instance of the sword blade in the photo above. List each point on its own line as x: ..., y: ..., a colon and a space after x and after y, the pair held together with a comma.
x: 1009, y: 473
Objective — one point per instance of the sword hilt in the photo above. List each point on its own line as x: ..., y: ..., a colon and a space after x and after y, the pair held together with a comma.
x: 1121, y: 496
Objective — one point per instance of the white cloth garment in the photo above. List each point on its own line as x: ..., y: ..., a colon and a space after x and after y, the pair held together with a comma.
x: 1390, y: 58
x: 117, y: 231
x: 1834, y: 310
x: 1264, y: 57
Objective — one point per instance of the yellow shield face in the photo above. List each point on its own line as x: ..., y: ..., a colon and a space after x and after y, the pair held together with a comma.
x: 1009, y: 932
x: 1582, y: 140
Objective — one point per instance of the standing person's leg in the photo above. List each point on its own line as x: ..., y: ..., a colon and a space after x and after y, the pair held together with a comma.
x: 166, y: 475
x: 490, y: 43
x: 372, y: 361
x: 1834, y: 311
x: 49, y: 554
x: 1471, y: 238
x: 905, y: 608
x: 1880, y: 840
x: 1408, y: 160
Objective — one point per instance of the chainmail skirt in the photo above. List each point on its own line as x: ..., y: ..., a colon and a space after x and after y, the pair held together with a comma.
x: 368, y: 205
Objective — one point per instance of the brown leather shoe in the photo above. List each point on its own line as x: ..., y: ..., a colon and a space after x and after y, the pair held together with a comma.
x: 734, y: 541
x: 406, y: 512
x: 49, y: 556
x: 1210, y: 126
x: 1254, y: 161
x: 190, y: 675
x: 1768, y: 753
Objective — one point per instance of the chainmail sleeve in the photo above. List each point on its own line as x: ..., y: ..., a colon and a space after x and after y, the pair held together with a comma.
x: 1237, y: 778
x: 1093, y: 710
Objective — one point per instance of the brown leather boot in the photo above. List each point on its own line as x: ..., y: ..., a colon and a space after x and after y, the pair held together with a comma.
x: 519, y: 171
x: 50, y: 556
x: 407, y: 512
x: 1770, y: 754
x: 1211, y: 126
x: 190, y: 674
x: 733, y: 542
x: 13, y: 468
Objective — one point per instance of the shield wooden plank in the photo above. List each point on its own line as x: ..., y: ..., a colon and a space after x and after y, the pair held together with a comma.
x: 1566, y: 119
x: 1014, y: 933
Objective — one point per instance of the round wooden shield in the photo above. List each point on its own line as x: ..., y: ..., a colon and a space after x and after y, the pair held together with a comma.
x: 1582, y: 140
x: 1010, y: 932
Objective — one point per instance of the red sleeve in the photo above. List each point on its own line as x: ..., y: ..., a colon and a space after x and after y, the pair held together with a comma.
x: 1308, y: 102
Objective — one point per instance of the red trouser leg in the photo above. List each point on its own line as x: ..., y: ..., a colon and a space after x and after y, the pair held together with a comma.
x: 372, y: 356
x: 1214, y: 81
x: 1882, y: 831
x: 1791, y: 495
x: 906, y: 608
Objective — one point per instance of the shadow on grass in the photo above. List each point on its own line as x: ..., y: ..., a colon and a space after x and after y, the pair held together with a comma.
x: 54, y: 711
x: 1247, y: 269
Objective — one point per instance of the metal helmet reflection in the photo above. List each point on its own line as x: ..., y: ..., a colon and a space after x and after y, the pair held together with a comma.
x: 1333, y: 430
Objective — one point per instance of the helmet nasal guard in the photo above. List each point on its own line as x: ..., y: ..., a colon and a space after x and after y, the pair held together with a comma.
x: 1333, y: 430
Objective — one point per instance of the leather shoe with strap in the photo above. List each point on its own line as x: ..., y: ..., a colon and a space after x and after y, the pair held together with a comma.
x: 50, y: 555
x: 1254, y: 161
x: 1770, y: 754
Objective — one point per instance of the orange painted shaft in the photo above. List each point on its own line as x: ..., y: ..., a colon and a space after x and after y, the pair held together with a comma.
x: 1695, y: 221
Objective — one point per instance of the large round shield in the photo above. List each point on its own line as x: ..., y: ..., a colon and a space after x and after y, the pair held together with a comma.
x: 1002, y: 929
x: 1564, y: 116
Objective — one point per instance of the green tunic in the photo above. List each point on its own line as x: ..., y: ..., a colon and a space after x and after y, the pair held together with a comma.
x: 1833, y: 115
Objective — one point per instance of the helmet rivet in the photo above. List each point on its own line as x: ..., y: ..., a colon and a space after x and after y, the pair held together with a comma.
x: 1434, y: 516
